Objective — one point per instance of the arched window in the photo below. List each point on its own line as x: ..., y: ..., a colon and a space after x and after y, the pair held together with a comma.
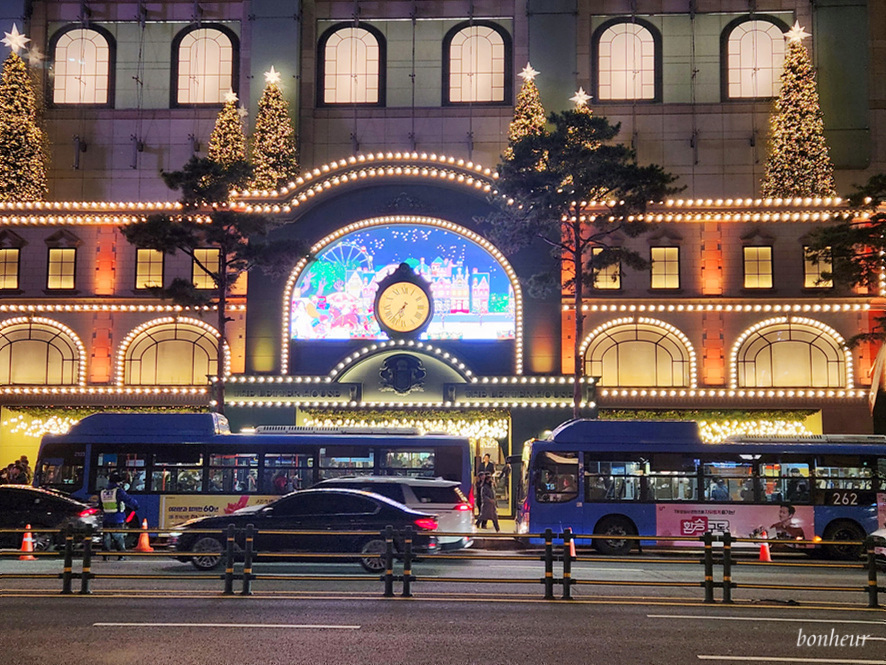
x: 640, y: 352
x: 628, y: 60
x: 205, y: 65
x: 40, y: 352
x: 82, y: 66
x: 351, y: 65
x: 753, y: 53
x: 476, y: 59
x: 790, y: 352
x: 169, y: 352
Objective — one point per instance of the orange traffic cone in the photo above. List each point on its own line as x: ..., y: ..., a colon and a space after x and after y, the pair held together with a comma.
x: 572, y: 548
x: 144, y: 545
x: 27, y: 546
x: 764, y: 550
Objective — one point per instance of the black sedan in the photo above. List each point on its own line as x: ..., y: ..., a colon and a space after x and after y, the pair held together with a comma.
x: 21, y: 505
x: 327, y: 511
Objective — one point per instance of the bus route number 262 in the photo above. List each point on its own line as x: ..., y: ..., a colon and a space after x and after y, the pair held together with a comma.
x: 844, y: 498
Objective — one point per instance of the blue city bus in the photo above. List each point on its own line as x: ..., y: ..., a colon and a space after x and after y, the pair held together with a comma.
x: 659, y: 478
x: 179, y: 466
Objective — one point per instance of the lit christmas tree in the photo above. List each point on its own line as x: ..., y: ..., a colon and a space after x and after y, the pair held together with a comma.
x: 23, y: 145
x: 529, y: 114
x: 227, y: 143
x: 798, y: 164
x: 274, y: 155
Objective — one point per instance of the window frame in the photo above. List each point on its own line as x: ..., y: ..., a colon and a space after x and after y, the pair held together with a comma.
x: 196, y: 266
x: 18, y: 270
x: 728, y: 29
x: 381, y: 43
x: 652, y: 287
x: 507, y: 44
x: 139, y: 285
x: 657, y: 76
x: 49, y: 262
x: 175, y: 65
x: 810, y: 269
x: 49, y: 85
x: 744, y: 266
x: 605, y: 273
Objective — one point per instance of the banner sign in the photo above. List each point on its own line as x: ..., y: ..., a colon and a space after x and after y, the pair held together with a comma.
x: 513, y: 392
x: 178, y: 508
x: 293, y: 392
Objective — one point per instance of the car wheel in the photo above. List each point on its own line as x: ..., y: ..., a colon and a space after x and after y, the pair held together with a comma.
x: 614, y: 526
x: 844, y: 531
x: 43, y: 542
x: 210, y: 556
x: 376, y: 563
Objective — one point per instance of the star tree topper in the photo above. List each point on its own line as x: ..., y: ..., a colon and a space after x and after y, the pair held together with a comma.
x: 272, y: 76
x: 796, y: 34
x: 528, y: 73
x: 580, y: 98
x: 230, y: 96
x: 15, y: 40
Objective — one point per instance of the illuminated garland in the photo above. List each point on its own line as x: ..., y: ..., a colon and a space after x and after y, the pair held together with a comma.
x: 490, y: 424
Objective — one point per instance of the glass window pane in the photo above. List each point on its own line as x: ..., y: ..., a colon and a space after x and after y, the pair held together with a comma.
x: 351, y: 67
x: 81, y: 68
x: 755, y: 53
x: 60, y: 273
x: 206, y: 262
x: 626, y: 63
x: 9, y: 259
x: 148, y: 269
x: 205, y: 67
x: 476, y: 65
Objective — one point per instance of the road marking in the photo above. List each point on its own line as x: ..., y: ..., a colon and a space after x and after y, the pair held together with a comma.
x: 771, y: 659
x: 224, y: 625
x: 707, y: 618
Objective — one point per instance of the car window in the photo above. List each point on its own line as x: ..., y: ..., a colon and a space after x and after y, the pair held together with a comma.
x: 431, y: 494
x: 390, y: 490
x: 325, y: 504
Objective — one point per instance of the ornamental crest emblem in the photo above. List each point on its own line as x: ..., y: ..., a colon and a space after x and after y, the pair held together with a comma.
x: 402, y: 373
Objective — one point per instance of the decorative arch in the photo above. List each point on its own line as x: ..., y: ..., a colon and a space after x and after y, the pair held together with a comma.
x: 790, y: 352
x: 479, y: 301
x: 178, y: 351
x: 38, y: 351
x: 405, y: 345
x: 640, y: 351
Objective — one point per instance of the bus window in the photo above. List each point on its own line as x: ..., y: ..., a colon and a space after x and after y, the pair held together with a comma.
x: 672, y: 478
x: 61, y: 467
x: 616, y: 480
x: 786, y: 481
x: 833, y: 472
x: 287, y: 472
x: 724, y: 481
x: 338, y: 461
x: 130, y: 466
x: 233, y: 472
x: 556, y: 477
x: 407, y: 462
x: 177, y: 471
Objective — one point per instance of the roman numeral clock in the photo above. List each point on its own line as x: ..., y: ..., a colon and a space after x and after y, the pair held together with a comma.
x: 404, y: 305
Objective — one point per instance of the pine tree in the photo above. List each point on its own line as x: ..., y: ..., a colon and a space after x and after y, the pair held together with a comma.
x: 227, y: 143
x: 529, y: 114
x: 23, y: 146
x: 798, y: 164
x: 274, y: 155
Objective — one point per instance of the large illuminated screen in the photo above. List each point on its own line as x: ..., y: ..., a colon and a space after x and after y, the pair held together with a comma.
x: 333, y: 296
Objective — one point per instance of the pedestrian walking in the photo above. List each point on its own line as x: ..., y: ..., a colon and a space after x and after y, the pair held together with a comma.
x: 488, y: 510
x: 478, y: 495
x: 114, y: 502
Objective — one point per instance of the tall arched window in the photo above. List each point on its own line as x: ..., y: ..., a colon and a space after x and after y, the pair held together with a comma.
x: 205, y: 65
x: 753, y: 55
x: 640, y: 352
x: 169, y: 352
x: 628, y: 60
x: 793, y: 352
x: 82, y: 66
x: 351, y: 65
x: 476, y: 63
x: 40, y: 352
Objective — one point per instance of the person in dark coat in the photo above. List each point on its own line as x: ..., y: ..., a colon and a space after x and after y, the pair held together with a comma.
x: 488, y: 511
x: 478, y: 495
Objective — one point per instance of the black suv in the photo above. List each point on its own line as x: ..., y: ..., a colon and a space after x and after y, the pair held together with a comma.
x: 21, y: 505
x: 327, y: 511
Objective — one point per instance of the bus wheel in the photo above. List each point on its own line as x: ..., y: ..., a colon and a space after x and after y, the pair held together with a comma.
x: 844, y: 530
x: 373, y: 564
x: 614, y: 526
x: 211, y: 549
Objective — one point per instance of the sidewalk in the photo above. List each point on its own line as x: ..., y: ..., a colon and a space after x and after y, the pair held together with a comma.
x: 501, y: 542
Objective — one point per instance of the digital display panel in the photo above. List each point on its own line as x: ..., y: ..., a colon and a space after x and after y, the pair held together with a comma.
x: 334, y: 295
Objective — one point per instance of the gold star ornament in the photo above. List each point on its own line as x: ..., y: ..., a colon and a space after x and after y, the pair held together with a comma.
x: 272, y: 76
x: 580, y: 98
x: 528, y: 73
x: 15, y: 40
x: 796, y: 34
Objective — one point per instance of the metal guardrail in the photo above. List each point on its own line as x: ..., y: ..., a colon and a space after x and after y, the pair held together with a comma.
x: 81, y: 544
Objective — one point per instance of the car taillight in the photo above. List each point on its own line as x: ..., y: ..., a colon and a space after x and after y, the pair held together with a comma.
x: 88, y: 512
x: 426, y: 523
x: 462, y: 506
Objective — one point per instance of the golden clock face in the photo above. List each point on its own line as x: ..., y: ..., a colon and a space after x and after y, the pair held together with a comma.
x: 403, y: 307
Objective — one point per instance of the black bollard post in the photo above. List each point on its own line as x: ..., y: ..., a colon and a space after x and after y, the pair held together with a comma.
x: 568, y: 545
x: 388, y: 533
x: 86, y: 574
x: 727, y: 567
x: 68, y: 569
x: 872, y: 573
x: 247, y: 560
x: 229, y: 562
x: 708, y: 540
x: 407, y: 562
x: 549, y: 565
